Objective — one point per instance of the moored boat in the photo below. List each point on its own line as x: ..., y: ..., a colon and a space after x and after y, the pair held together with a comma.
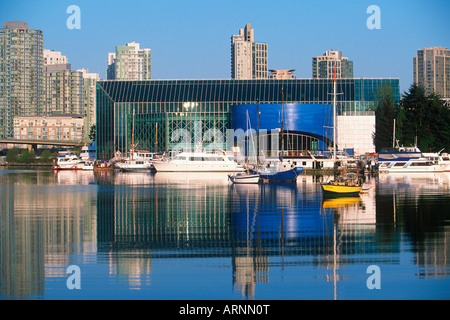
x: 135, y: 165
x: 411, y: 166
x: 280, y: 172
x: 344, y: 185
x: 68, y: 161
x: 399, y: 154
x: 244, y: 178
x: 198, y: 161
x: 140, y: 161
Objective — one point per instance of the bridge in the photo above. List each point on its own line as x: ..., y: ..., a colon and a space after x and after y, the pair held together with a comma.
x: 35, y: 143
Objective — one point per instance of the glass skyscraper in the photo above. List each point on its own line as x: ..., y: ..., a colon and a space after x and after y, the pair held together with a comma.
x: 21, y: 74
x: 163, y: 106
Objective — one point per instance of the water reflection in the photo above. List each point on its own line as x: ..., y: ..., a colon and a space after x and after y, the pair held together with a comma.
x: 135, y: 224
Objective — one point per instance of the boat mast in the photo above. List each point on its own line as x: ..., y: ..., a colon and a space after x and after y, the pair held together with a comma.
x: 282, y: 125
x: 257, y: 132
x: 132, y: 138
x: 156, y: 137
x: 393, y: 137
x: 248, y: 141
x: 334, y: 115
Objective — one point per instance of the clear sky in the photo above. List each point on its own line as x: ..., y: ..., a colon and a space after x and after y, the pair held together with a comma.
x: 190, y: 39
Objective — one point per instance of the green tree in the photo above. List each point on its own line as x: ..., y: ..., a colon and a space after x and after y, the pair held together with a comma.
x: 45, y: 156
x: 93, y: 132
x: 12, y: 155
x: 27, y: 156
x: 414, y: 103
x: 426, y: 120
x: 385, y: 113
x: 399, y: 124
x: 439, y: 123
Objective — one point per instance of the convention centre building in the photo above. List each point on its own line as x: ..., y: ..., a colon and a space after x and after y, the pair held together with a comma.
x: 162, y: 115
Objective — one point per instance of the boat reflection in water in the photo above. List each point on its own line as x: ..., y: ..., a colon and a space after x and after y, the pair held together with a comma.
x: 341, y: 202
x: 152, y: 236
x: 273, y: 221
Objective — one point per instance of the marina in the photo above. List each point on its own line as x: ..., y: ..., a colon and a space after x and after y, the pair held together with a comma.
x: 150, y: 154
x: 196, y: 235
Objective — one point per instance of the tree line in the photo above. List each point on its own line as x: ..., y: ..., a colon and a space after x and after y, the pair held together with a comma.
x: 26, y: 156
x: 420, y: 119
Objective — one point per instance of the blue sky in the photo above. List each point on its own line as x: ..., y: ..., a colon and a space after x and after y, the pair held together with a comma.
x: 190, y: 39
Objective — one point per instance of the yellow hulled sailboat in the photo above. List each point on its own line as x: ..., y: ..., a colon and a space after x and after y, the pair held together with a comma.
x: 342, y: 185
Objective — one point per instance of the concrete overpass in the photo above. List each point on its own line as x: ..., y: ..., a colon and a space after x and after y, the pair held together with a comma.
x: 35, y: 143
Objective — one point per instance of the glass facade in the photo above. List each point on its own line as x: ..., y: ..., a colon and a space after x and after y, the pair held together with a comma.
x: 306, y: 127
x: 186, y: 104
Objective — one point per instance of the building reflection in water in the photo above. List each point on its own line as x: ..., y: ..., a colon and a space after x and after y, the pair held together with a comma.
x: 418, y: 204
x: 128, y: 220
x: 163, y: 216
x: 42, y: 222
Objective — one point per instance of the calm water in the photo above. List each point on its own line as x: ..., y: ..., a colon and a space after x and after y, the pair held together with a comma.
x: 180, y: 236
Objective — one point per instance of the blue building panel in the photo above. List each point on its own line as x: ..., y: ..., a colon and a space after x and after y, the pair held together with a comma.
x: 314, y: 120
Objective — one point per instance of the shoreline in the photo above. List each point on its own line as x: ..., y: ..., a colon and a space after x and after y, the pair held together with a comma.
x: 26, y: 165
x: 308, y: 171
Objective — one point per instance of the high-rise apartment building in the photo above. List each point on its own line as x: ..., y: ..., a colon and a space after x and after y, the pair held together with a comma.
x: 21, y: 74
x: 432, y: 70
x: 54, y: 57
x: 129, y: 62
x: 63, y: 90
x: 89, y: 98
x: 323, y: 66
x: 249, y: 59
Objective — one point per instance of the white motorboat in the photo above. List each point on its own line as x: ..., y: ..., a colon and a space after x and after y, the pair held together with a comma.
x: 68, y: 161
x: 199, y: 161
x: 411, y: 166
x: 441, y: 159
x: 88, y: 165
x: 134, y: 165
x: 140, y: 161
x: 88, y: 153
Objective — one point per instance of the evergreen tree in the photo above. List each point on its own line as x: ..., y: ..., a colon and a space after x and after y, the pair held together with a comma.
x: 12, y: 155
x: 45, y: 156
x: 385, y: 113
x: 414, y: 103
x: 426, y: 120
x: 27, y: 156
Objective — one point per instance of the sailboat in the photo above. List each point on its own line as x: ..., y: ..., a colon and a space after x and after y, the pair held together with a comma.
x: 348, y: 184
x: 279, y: 171
x: 246, y: 177
x: 139, y: 161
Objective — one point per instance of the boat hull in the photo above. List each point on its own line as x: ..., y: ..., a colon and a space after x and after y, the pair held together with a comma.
x: 200, y: 167
x: 74, y: 166
x: 244, y: 178
x: 334, y: 189
x: 280, y: 176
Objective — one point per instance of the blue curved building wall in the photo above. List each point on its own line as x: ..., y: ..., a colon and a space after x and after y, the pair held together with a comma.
x: 315, y: 120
